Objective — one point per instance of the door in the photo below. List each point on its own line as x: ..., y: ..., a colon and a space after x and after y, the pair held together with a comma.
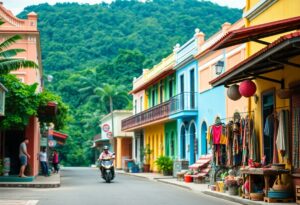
x: 183, y: 144
x: 203, y: 138
x: 192, y: 88
x: 182, y: 92
x: 193, y: 143
x: 268, y: 104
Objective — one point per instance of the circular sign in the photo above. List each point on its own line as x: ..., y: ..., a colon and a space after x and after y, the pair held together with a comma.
x: 51, y: 143
x: 106, y: 127
x: 109, y: 135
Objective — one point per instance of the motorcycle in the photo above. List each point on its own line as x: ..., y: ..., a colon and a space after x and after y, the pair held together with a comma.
x: 107, y: 169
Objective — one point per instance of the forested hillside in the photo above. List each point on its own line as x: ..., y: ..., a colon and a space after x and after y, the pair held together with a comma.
x: 85, y: 47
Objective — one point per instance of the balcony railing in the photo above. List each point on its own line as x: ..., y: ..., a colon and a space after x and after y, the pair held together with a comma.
x: 155, y: 113
x: 182, y: 102
x: 187, y: 101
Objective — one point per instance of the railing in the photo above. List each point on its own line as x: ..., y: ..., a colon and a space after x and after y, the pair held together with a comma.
x: 182, y: 102
x: 155, y: 113
x: 186, y: 101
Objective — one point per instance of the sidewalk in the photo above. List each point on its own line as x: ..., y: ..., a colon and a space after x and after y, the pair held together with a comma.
x: 18, y: 202
x: 198, y: 188
x: 52, y: 181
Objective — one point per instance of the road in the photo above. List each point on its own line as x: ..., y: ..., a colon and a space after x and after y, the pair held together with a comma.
x: 83, y: 186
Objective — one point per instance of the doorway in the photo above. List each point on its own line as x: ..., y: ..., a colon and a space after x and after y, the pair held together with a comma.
x: 183, y: 144
x: 203, y: 138
x: 193, y: 143
x: 268, y: 105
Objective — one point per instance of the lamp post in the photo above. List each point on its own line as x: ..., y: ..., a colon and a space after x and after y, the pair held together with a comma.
x: 219, y: 67
x: 3, y: 90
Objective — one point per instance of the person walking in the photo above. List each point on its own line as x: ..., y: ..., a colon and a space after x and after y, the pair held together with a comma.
x: 23, y: 156
x: 43, y: 161
x: 55, y: 161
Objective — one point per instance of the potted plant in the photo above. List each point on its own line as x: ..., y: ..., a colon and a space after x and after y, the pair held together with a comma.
x: 164, y: 164
x: 232, y: 185
x: 147, y: 152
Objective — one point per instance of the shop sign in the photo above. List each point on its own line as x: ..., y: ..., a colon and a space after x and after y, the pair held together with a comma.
x: 43, y: 142
x: 52, y: 143
x: 105, y: 127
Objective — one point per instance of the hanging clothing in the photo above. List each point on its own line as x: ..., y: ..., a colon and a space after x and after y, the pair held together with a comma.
x: 275, y: 149
x: 296, y: 137
x: 282, y: 134
x: 216, y: 133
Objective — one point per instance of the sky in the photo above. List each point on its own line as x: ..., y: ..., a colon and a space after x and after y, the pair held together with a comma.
x: 16, y: 6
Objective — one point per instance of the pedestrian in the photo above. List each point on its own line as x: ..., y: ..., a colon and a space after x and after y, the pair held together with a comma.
x: 23, y: 156
x: 55, y: 161
x: 43, y: 161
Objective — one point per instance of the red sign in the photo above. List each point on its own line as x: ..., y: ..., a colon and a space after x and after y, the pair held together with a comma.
x: 106, y: 127
x: 109, y: 135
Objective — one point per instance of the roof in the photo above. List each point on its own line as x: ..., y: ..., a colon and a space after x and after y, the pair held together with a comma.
x: 3, y: 87
x: 268, y: 59
x: 253, y: 33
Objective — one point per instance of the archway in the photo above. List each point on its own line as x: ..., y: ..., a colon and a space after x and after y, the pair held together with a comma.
x: 172, y: 144
x: 193, y: 143
x: 204, y: 138
x: 183, y: 144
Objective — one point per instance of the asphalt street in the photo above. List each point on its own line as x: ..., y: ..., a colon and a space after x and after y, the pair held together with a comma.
x: 83, y: 186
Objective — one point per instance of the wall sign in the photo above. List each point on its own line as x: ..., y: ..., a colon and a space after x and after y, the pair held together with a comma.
x: 106, y: 127
x: 109, y: 135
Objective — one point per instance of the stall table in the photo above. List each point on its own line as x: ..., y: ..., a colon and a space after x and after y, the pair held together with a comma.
x: 265, y: 172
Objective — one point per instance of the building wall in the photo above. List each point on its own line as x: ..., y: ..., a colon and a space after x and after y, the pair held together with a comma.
x: 139, y: 102
x: 27, y: 29
x: 282, y: 9
x: 154, y: 136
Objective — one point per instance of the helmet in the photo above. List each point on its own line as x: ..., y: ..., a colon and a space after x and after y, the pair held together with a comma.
x: 105, y: 147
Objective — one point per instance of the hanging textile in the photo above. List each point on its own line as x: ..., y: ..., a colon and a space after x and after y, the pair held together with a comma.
x: 282, y: 134
x: 229, y: 136
x: 296, y: 137
x: 275, y: 149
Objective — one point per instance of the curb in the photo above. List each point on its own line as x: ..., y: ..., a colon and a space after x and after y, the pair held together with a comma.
x: 56, y: 185
x: 178, y: 185
x: 228, y: 198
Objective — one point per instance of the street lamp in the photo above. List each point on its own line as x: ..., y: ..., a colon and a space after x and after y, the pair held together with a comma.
x: 219, y: 67
x: 3, y: 90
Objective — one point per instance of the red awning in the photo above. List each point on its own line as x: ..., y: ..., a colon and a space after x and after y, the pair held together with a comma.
x: 268, y: 59
x: 58, y: 135
x: 254, y: 33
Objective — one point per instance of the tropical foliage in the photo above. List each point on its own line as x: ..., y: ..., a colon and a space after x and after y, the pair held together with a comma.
x: 88, y: 47
x: 164, y: 164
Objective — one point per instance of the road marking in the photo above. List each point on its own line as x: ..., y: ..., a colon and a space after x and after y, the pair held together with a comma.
x: 18, y: 202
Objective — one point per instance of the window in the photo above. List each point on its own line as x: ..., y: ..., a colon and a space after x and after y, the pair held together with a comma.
x: 181, y: 92
x: 135, y: 106
x: 192, y: 88
x: 153, y: 97
x: 171, y: 88
x: 141, y: 103
x: 161, y: 92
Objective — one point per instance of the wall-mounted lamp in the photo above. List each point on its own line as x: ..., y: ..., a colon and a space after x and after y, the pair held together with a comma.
x: 219, y: 67
x: 255, y: 98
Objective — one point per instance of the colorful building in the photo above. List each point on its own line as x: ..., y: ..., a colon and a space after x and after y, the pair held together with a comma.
x: 10, y: 140
x: 213, y: 101
x: 273, y: 61
x: 152, y: 95
x: 121, y: 141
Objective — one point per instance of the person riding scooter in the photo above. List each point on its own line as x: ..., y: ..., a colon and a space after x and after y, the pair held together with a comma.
x: 106, y: 156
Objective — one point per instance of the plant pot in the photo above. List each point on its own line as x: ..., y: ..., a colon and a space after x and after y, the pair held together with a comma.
x: 188, y: 178
x: 232, y: 190
x: 146, y: 167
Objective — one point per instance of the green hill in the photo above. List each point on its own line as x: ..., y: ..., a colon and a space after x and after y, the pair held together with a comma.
x: 85, y: 46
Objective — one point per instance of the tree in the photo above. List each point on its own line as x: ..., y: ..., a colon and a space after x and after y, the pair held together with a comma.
x: 8, y: 62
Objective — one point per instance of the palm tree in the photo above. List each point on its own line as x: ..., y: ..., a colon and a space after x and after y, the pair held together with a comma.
x: 109, y: 93
x: 8, y: 62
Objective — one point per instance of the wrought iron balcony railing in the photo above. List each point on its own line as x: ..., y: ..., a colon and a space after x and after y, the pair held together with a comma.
x: 182, y: 102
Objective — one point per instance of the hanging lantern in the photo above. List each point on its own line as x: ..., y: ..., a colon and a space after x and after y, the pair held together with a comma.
x: 247, y: 88
x: 233, y: 92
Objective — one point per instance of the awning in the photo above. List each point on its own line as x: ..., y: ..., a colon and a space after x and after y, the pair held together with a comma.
x: 58, y: 136
x: 254, y: 33
x: 271, y: 58
x: 49, y: 110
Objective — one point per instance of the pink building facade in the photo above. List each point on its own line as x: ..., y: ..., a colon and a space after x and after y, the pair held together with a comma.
x: 10, y: 140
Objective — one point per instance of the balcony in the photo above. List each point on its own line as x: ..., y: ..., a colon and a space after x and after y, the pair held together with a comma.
x: 185, y: 103
x: 153, y: 114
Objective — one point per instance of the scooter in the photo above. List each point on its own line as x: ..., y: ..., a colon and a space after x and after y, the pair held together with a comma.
x: 107, y: 169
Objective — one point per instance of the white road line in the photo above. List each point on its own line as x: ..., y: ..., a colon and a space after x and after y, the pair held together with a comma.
x: 19, y: 202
